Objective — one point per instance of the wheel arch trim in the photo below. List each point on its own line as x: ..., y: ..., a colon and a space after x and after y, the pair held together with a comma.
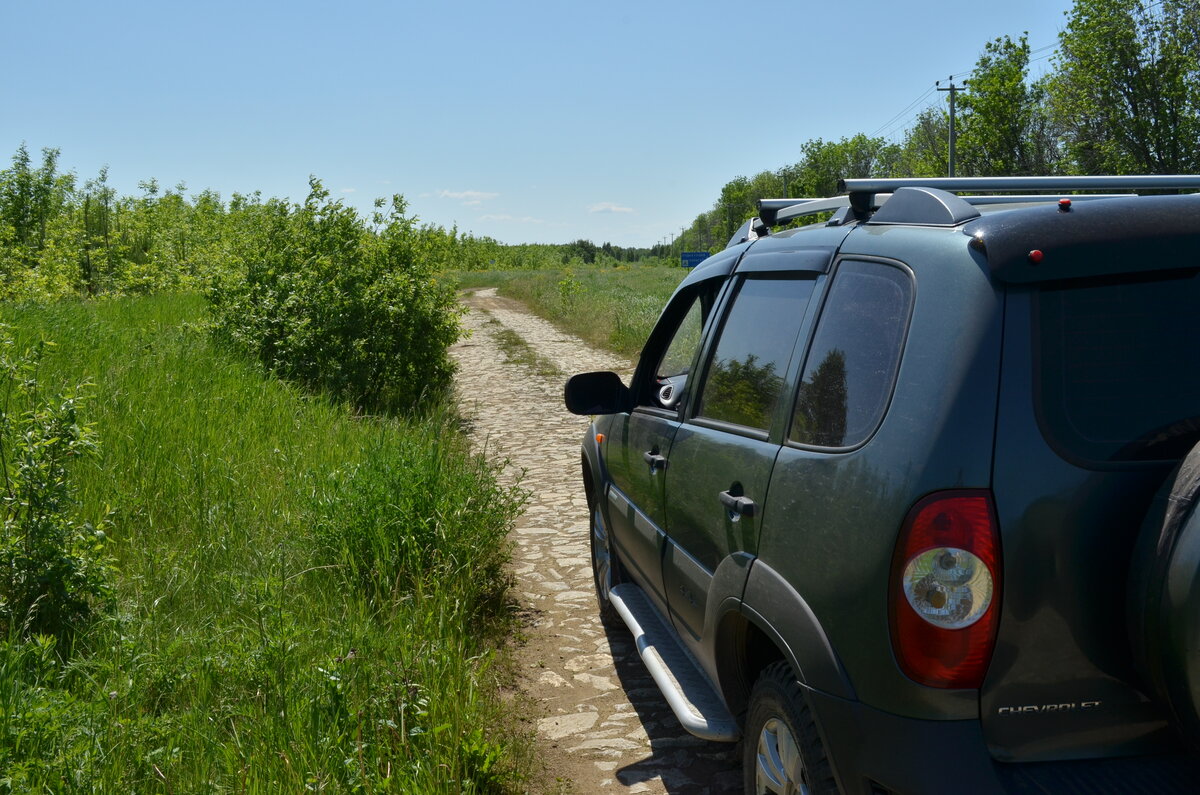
x: 776, y: 609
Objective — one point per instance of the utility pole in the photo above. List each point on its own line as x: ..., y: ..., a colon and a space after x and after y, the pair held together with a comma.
x: 953, y: 89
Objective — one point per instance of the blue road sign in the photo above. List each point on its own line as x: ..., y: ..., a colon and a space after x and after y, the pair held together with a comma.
x: 690, y: 259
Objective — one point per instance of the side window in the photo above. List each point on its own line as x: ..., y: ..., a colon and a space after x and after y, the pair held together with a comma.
x: 685, y: 343
x: 679, y: 346
x: 855, y: 354
x: 745, y: 379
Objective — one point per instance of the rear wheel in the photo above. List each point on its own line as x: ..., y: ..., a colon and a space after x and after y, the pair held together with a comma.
x: 782, y: 751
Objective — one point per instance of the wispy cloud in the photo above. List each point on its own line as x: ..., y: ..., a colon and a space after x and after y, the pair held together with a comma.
x: 349, y: 190
x: 527, y: 219
x: 609, y: 207
x: 469, y: 198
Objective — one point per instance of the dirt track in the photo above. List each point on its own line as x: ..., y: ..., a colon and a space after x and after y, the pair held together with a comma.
x: 603, y: 726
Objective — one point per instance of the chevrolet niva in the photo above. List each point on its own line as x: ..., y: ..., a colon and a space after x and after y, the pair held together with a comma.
x: 902, y: 500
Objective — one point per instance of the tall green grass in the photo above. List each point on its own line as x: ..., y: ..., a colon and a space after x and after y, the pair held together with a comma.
x: 306, y: 599
x: 614, y: 308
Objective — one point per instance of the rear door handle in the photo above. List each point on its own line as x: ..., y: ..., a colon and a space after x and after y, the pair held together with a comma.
x: 739, y: 506
x: 655, y: 460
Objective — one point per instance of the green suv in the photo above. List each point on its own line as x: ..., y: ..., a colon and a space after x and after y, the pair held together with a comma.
x: 902, y: 499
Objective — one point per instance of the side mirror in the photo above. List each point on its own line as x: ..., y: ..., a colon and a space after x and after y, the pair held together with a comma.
x: 597, y: 393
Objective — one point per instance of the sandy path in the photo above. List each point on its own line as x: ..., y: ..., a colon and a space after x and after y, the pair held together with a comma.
x: 603, y: 726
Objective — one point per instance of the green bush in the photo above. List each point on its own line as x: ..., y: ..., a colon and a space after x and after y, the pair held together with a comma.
x: 53, y: 572
x: 341, y: 308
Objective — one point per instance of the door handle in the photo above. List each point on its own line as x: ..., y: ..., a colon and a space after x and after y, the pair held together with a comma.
x: 738, y: 506
x: 655, y: 460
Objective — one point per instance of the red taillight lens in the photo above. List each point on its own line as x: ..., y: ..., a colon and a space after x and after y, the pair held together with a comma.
x: 945, y: 593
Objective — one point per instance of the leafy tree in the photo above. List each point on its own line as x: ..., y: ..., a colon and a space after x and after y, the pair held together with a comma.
x: 1127, y: 86
x: 926, y: 148
x: 823, y: 163
x: 1005, y: 124
x: 31, y: 198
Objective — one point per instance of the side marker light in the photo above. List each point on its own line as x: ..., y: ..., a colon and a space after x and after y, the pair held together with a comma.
x: 599, y: 438
x: 1036, y: 256
x: 1064, y: 205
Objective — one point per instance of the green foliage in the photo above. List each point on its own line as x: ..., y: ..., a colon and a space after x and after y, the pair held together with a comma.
x: 816, y: 174
x: 1005, y: 125
x: 1126, y: 89
x: 926, y: 148
x: 341, y: 308
x: 53, y: 571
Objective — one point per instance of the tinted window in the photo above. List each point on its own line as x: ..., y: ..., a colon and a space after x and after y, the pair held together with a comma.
x: 1119, y: 367
x: 852, y: 364
x: 745, y: 378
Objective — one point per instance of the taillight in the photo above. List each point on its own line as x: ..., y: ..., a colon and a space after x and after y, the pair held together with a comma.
x: 944, y: 602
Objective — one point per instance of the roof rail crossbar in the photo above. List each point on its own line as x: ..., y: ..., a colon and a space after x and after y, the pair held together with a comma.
x: 769, y: 209
x: 1014, y: 184
x: 780, y: 210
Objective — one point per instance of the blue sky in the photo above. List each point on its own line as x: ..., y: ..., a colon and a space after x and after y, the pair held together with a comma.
x: 525, y: 121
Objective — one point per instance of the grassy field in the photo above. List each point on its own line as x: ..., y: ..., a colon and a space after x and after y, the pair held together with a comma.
x: 612, y: 307
x: 305, y: 599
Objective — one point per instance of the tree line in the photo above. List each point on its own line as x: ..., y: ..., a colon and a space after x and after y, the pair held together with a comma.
x: 60, y: 235
x: 1122, y: 96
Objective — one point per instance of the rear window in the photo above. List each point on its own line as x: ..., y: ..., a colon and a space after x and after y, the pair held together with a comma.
x: 851, y: 368
x: 1119, y: 366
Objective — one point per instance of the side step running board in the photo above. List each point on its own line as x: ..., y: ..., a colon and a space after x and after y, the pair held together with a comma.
x: 688, y: 691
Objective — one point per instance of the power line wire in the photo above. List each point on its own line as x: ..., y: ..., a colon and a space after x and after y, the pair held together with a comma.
x: 887, y: 124
x: 889, y: 127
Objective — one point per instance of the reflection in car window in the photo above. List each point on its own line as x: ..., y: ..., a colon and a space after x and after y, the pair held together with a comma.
x: 745, y: 378
x: 855, y: 354
x: 682, y: 349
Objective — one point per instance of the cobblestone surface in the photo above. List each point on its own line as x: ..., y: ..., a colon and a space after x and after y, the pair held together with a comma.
x: 603, y: 727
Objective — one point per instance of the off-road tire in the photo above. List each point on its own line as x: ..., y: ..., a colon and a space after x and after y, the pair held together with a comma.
x: 1164, y: 603
x: 782, y: 750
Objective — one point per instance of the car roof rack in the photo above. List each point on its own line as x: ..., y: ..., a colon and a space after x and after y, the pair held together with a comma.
x: 1016, y: 184
x: 937, y: 201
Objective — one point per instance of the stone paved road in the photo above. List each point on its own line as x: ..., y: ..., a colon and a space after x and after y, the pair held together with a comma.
x: 604, y: 726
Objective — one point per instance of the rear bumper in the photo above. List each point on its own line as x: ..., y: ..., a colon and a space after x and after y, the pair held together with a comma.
x: 873, y: 752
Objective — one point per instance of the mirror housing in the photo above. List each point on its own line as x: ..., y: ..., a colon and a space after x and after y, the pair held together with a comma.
x: 597, y: 393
